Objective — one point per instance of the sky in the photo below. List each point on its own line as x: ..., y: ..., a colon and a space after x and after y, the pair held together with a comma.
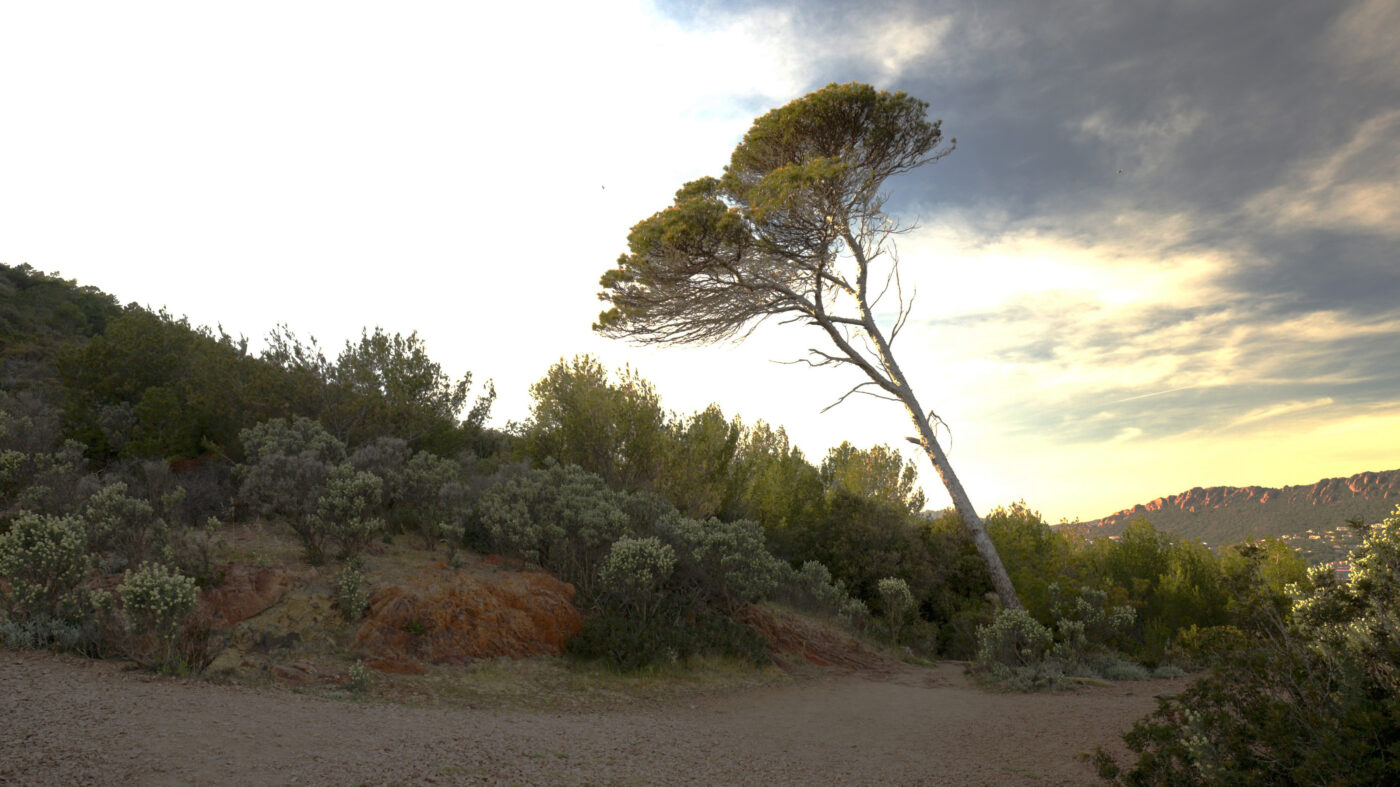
x: 1163, y: 254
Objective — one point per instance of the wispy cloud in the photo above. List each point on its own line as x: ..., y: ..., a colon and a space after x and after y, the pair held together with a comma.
x: 1362, y: 41
x: 1142, y: 145
x: 1355, y: 186
x: 1150, y: 395
x: 1274, y: 411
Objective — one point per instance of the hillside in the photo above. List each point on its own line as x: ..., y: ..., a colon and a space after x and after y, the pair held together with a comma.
x: 1228, y: 514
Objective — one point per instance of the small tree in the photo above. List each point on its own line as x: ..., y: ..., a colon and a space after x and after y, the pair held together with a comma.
x: 898, y: 603
x: 792, y: 231
x: 345, y: 513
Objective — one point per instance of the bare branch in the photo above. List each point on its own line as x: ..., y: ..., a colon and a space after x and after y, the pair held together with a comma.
x: 903, y: 317
x: 937, y: 421
x: 889, y: 277
x: 857, y: 389
x: 827, y: 360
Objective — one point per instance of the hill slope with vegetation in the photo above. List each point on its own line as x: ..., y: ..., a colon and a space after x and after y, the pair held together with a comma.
x: 144, y: 432
x: 134, y: 447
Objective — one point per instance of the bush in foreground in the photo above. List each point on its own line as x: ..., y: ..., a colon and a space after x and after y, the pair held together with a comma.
x: 154, y: 600
x: 1311, y: 700
x: 1018, y: 653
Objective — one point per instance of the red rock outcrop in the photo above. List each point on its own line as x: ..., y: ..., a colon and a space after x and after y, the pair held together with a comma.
x: 1370, y: 485
x: 464, y: 618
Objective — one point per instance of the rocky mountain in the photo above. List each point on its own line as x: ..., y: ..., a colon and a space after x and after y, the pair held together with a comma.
x: 1227, y: 514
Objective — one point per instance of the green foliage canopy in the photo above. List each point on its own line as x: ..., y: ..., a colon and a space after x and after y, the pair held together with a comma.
x: 877, y: 473
x: 762, y: 240
x: 616, y: 431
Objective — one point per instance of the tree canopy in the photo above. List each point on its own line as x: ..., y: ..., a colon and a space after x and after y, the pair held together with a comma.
x: 764, y: 239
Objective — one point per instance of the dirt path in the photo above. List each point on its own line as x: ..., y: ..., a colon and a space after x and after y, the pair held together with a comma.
x: 68, y: 721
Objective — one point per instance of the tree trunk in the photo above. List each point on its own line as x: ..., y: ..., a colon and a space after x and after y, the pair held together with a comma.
x: 897, y: 384
x: 1001, y: 581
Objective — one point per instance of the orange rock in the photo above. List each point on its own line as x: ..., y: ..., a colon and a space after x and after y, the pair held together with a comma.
x: 464, y: 619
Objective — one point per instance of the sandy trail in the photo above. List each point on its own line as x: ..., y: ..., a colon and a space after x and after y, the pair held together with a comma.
x: 68, y: 721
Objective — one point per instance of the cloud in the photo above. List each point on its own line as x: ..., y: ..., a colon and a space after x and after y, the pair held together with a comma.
x: 1275, y: 410
x: 1143, y: 145
x: 1352, y: 187
x: 1361, y: 42
x: 1127, y: 434
x: 1104, y: 341
x: 878, y: 43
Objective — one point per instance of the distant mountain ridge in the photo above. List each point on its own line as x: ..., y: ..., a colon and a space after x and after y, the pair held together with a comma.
x: 1227, y: 514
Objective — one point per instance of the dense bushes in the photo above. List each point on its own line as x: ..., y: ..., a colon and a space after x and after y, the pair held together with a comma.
x: 664, y: 522
x: 812, y: 589
x: 726, y: 561
x: 1312, y: 697
x: 628, y: 644
x: 659, y: 583
x: 1017, y: 652
x: 562, y: 518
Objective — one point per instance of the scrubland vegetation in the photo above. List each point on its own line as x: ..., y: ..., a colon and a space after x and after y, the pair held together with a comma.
x: 128, y: 438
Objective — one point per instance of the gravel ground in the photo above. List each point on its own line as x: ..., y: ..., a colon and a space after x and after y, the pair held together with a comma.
x: 65, y: 720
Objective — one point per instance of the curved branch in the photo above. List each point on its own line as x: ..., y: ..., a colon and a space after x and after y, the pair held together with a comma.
x: 858, y: 389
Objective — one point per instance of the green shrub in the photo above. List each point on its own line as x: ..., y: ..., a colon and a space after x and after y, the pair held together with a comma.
x: 344, y: 513
x: 194, y: 548
x: 628, y: 644
x: 43, y: 559
x: 83, y: 629
x: 1200, y: 648
x: 728, y: 561
x: 47, y: 482
x: 154, y: 601
x: 41, y: 632
x: 813, y: 583
x: 285, y: 473
x: 352, y: 594
x: 1017, y: 652
x: 562, y: 518
x: 359, y: 678
x: 387, y: 458
x: 1123, y: 670
x: 1014, y: 639
x: 1013, y: 654
x: 812, y: 589
x: 898, y: 604
x: 278, y: 436
x: 1086, y: 625
x: 634, y: 575
x: 1311, y: 700
x: 123, y: 525
x: 436, y: 501
x: 854, y: 613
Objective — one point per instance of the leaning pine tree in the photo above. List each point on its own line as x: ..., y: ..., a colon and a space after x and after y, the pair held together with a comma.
x: 792, y: 230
